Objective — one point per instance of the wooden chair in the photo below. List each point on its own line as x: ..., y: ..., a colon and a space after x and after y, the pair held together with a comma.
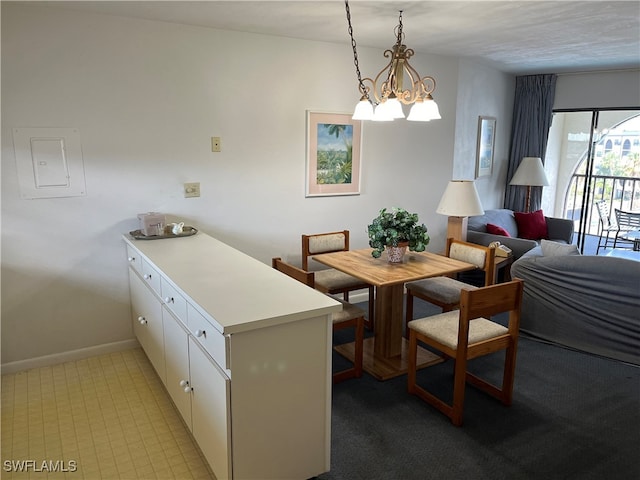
x: 467, y: 334
x: 606, y: 225
x: 350, y: 316
x: 330, y: 280
x: 445, y: 291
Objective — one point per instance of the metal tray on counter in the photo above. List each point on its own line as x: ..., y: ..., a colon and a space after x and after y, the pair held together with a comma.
x: 186, y: 232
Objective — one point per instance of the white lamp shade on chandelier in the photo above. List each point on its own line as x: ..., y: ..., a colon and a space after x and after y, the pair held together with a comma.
x: 459, y: 201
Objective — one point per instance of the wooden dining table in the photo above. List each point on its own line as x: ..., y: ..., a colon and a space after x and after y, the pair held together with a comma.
x: 385, y: 354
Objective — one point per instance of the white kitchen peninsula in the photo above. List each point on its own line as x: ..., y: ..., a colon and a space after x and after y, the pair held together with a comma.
x: 243, y: 350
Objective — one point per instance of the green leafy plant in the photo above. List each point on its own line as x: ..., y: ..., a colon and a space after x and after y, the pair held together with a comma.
x: 394, y: 227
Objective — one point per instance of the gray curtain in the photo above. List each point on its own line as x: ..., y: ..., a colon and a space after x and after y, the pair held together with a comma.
x: 532, y: 114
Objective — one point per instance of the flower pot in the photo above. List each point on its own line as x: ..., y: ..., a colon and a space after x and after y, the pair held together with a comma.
x: 396, y: 254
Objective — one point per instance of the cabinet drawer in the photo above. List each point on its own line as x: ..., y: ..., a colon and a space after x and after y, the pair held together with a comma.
x: 151, y: 276
x: 173, y: 300
x: 211, y: 339
x: 134, y: 259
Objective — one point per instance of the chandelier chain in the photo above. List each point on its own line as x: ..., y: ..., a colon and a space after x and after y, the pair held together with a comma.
x: 363, y: 89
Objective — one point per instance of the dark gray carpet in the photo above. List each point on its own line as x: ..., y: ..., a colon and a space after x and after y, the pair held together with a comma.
x: 574, y: 416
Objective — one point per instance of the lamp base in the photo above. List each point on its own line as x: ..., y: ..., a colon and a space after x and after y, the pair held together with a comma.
x: 457, y: 228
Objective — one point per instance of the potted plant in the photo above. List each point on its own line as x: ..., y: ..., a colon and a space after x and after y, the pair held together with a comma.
x: 397, y: 228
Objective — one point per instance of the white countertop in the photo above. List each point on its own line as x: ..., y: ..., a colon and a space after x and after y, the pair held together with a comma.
x: 238, y: 292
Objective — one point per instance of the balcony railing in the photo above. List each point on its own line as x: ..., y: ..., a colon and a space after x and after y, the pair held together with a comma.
x: 622, y: 193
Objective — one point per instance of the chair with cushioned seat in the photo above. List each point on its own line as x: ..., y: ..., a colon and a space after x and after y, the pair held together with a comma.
x: 466, y: 334
x: 330, y: 280
x: 349, y: 316
x: 445, y: 291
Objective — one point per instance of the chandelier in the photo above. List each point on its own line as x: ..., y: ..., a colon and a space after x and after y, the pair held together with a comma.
x: 388, y: 87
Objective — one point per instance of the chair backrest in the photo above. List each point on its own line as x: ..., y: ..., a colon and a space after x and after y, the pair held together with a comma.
x: 492, y: 300
x: 628, y: 220
x: 294, y: 272
x: 479, y: 255
x: 323, y: 243
x: 605, y: 215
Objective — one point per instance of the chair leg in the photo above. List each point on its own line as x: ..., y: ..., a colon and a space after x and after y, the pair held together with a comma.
x: 414, y: 389
x: 412, y: 362
x: 356, y: 370
x: 599, y: 243
x: 408, y: 313
x: 459, y: 382
x: 372, y: 301
x: 359, y: 347
x: 509, y: 374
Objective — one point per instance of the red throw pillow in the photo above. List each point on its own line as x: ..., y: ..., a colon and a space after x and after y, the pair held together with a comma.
x: 532, y: 226
x: 497, y: 230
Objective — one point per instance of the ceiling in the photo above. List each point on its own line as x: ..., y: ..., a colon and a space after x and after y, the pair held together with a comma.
x: 519, y: 37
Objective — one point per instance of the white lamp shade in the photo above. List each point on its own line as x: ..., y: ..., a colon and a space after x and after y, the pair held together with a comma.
x: 394, y: 107
x: 363, y: 111
x: 530, y: 172
x: 382, y: 113
x: 424, y: 110
x: 460, y: 199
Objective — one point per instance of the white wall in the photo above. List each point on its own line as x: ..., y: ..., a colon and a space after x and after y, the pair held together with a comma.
x: 598, y: 90
x: 483, y: 91
x: 146, y: 97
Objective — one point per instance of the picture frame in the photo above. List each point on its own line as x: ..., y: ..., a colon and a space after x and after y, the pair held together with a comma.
x: 334, y: 142
x: 485, y: 147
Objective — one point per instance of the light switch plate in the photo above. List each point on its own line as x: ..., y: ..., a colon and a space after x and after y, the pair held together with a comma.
x: 191, y: 189
x: 216, y: 145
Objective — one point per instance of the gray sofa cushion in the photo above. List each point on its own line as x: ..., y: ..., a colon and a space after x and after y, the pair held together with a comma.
x: 555, y: 249
x: 501, y: 217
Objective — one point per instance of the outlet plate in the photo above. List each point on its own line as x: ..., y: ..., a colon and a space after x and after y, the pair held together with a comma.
x: 216, y: 145
x: 191, y: 189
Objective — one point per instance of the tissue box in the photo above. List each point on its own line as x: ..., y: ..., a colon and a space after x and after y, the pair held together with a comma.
x: 152, y: 223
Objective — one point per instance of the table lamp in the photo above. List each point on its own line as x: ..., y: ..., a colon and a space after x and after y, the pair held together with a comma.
x: 530, y: 173
x: 459, y: 201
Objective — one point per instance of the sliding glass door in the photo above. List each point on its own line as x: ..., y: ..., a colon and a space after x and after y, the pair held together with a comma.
x: 593, y: 155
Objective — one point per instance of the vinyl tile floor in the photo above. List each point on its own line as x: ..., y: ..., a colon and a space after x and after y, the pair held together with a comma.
x: 104, y: 417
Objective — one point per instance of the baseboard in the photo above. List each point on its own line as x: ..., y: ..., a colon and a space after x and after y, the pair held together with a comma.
x: 56, y: 358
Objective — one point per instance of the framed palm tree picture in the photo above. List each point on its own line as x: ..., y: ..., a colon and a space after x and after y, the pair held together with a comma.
x: 333, y: 154
x: 486, y: 142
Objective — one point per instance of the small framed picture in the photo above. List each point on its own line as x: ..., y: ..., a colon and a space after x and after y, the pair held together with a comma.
x: 486, y: 143
x: 333, y: 154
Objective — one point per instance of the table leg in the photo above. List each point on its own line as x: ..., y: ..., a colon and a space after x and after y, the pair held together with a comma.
x: 386, y: 354
x: 388, y: 323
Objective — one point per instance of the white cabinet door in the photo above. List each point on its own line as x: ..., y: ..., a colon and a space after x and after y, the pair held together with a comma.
x: 176, y: 354
x: 210, y: 411
x: 146, y: 312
